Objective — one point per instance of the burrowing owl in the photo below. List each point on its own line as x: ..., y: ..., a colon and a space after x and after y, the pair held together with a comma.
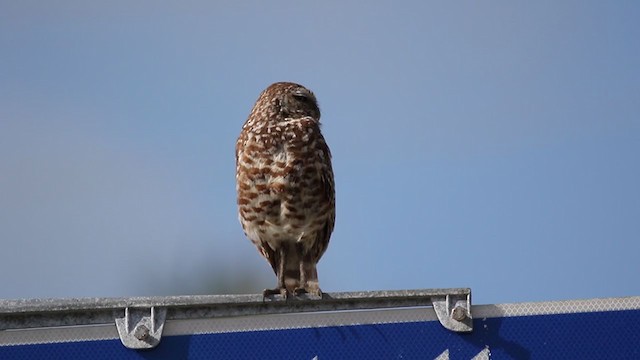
x: 285, y: 185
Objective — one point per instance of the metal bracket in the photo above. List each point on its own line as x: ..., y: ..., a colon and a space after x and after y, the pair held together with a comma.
x: 454, y: 311
x: 141, y: 328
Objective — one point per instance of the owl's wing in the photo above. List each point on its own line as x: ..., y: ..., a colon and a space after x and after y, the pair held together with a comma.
x: 328, y: 197
x: 239, y: 144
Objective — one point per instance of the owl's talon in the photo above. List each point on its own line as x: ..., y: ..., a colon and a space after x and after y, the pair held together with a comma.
x: 315, y: 292
x: 299, y: 291
x: 308, y: 291
x: 277, y: 291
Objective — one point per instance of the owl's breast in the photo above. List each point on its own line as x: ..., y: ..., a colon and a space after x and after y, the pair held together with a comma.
x: 279, y: 183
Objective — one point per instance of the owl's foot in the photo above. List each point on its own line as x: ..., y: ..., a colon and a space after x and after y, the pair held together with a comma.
x: 299, y: 291
x: 277, y: 291
x: 314, y: 291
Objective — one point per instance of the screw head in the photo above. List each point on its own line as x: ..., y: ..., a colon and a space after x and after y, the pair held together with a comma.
x: 141, y: 332
x: 458, y: 313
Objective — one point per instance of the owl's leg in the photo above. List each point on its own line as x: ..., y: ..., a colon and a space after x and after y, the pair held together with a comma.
x: 301, y: 289
x: 308, y: 278
x: 280, y: 287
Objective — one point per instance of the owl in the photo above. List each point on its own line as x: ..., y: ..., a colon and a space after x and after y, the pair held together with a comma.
x: 285, y: 186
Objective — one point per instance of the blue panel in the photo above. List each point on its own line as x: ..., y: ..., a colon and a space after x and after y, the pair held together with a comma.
x: 613, y: 335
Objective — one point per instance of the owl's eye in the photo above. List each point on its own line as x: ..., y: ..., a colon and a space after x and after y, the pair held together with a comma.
x: 300, y: 96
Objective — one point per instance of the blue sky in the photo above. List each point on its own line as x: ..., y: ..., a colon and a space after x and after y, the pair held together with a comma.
x: 491, y: 145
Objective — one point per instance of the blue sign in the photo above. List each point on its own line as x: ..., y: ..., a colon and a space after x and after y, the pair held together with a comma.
x: 582, y: 335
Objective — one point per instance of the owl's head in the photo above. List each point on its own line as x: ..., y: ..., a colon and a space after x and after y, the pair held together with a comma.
x: 293, y: 100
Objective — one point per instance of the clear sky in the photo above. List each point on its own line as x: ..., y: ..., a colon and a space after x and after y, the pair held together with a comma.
x: 491, y: 145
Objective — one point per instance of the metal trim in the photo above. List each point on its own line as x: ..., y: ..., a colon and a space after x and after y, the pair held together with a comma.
x: 31, y: 313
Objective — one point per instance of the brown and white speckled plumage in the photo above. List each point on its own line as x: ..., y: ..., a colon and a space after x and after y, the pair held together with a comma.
x: 285, y: 186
